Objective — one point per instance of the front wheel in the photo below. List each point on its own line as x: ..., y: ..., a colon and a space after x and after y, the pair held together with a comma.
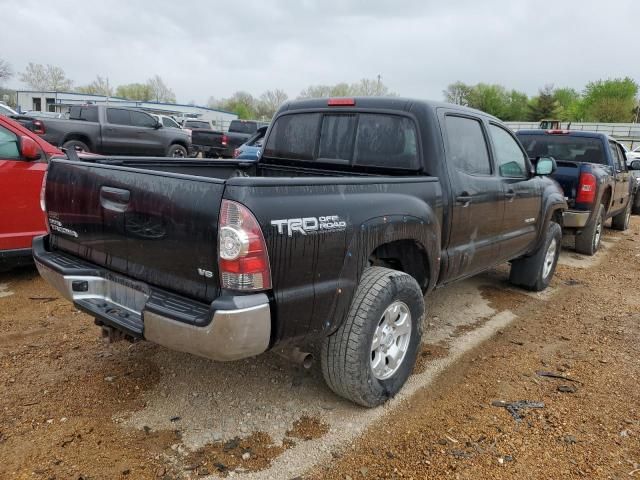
x: 177, y: 151
x: 369, y: 358
x: 76, y: 145
x: 621, y: 220
x: 536, y: 271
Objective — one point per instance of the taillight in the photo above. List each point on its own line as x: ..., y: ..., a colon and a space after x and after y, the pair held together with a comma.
x: 242, y: 251
x: 558, y: 132
x: 236, y: 153
x: 38, y: 127
x: 43, y: 203
x: 586, y: 188
x: 225, y: 139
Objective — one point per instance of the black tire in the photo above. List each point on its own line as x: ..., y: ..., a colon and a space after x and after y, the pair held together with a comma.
x: 635, y: 208
x: 536, y: 271
x: 621, y: 220
x: 177, y: 151
x: 347, y: 355
x: 588, y: 240
x: 76, y: 145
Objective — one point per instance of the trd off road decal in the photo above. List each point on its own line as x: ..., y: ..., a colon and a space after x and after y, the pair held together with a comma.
x: 308, y: 225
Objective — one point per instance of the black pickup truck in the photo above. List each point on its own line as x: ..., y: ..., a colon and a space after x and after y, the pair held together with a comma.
x: 592, y: 171
x: 113, y: 130
x: 217, y: 144
x: 356, y: 209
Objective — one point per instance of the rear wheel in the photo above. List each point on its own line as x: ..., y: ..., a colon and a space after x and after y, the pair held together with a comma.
x: 536, y: 271
x: 75, y: 145
x: 369, y: 358
x: 588, y: 240
x: 621, y: 220
x: 177, y: 151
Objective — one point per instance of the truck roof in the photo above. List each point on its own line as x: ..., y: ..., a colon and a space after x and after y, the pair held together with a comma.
x: 386, y: 103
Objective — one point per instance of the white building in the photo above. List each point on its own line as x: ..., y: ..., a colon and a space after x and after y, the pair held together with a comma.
x: 29, y: 100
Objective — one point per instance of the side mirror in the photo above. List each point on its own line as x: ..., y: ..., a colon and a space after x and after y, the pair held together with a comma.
x: 157, y: 125
x: 29, y: 149
x: 545, y: 166
x: 635, y: 165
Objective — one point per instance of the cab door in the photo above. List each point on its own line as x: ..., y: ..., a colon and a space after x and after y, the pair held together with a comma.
x: 621, y: 193
x: 477, y: 197
x: 21, y: 217
x: 522, y: 196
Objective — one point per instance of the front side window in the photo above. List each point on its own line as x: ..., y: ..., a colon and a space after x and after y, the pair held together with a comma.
x: 88, y: 114
x: 8, y: 145
x: 118, y: 116
x: 509, y: 157
x: 466, y: 146
x: 167, y: 122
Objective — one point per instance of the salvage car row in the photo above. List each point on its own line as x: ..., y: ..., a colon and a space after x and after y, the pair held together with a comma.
x: 353, y: 211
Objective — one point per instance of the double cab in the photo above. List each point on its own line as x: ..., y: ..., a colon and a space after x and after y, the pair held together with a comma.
x: 356, y: 209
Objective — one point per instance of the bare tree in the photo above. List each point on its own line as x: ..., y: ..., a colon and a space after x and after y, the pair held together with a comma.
x: 5, y: 71
x: 45, y: 77
x: 160, y: 92
x: 270, y: 101
x: 100, y: 86
x: 364, y: 88
x: 458, y: 93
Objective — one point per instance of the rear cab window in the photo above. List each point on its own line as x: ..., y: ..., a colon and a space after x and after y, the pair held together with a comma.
x: 241, y: 126
x: 360, y: 139
x: 564, y: 148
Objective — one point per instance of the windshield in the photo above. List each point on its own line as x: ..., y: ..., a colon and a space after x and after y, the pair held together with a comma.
x: 564, y: 148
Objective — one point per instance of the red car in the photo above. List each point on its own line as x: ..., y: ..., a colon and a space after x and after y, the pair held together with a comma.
x: 23, y: 162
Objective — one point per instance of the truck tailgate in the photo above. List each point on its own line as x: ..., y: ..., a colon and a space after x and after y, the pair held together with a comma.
x: 567, y: 175
x: 156, y: 227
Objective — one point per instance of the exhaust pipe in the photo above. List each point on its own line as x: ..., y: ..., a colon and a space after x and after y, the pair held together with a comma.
x: 297, y: 356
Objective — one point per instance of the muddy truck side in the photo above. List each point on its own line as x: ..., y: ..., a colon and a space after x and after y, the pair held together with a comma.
x: 356, y: 209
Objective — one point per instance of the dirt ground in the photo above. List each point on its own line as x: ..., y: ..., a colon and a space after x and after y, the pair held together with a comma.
x: 74, y: 407
x: 589, y: 423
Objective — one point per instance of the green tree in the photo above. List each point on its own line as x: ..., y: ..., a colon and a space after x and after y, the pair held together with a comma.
x: 517, y: 106
x: 544, y: 105
x: 241, y: 103
x: 610, y: 100
x: 269, y: 103
x: 45, y: 77
x: 363, y: 88
x: 100, y: 86
x: 135, y: 91
x: 569, y: 104
x: 492, y: 99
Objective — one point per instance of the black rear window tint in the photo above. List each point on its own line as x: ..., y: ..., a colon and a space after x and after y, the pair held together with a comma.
x: 364, y: 139
x: 336, y: 137
x: 294, y: 137
x: 564, y: 148
x: 239, y: 126
x: 386, y: 141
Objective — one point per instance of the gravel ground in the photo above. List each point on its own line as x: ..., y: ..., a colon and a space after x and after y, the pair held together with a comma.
x: 75, y: 407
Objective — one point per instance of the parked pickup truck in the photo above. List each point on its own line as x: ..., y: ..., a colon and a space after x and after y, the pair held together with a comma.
x: 112, y: 130
x: 217, y: 144
x: 593, y: 173
x: 356, y: 209
x: 240, y: 131
x: 23, y: 163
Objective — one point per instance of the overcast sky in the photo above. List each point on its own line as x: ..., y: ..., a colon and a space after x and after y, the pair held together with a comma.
x: 208, y: 48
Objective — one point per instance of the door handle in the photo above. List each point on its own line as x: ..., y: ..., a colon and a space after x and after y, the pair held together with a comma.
x: 464, y: 198
x: 510, y: 195
x: 115, y: 199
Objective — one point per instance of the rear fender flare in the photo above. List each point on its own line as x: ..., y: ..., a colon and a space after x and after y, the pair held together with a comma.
x: 370, y: 235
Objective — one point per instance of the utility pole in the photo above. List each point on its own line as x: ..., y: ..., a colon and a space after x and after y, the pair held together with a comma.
x: 379, y: 78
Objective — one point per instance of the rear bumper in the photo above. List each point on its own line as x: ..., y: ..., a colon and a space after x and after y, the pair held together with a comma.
x: 231, y: 328
x: 575, y: 219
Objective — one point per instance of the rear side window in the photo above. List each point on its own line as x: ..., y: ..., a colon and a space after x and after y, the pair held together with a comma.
x: 364, y: 139
x: 88, y: 114
x: 466, y: 145
x: 118, y: 116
